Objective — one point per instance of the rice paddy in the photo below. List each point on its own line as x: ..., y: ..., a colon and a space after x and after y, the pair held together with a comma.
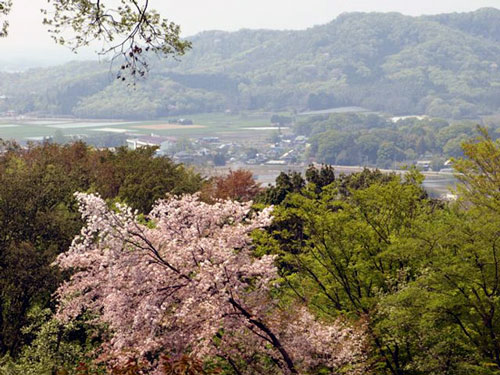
x: 244, y: 125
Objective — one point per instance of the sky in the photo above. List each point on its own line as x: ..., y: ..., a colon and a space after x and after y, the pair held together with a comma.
x: 29, y: 40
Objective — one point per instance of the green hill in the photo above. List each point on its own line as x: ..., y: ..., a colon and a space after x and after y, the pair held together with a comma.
x: 446, y: 65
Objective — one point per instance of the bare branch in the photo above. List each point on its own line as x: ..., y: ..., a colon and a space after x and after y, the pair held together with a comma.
x: 5, y: 7
x: 128, y: 33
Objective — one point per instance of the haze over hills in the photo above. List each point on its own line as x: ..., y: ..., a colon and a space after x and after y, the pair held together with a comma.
x: 446, y: 65
x: 316, y: 201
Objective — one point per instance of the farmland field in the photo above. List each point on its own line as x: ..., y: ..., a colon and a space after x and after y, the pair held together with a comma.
x: 239, y: 126
x: 169, y: 127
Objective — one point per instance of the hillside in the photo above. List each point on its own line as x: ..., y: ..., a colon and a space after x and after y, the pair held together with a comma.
x: 445, y: 66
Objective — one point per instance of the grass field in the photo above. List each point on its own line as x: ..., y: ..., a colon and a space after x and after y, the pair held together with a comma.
x: 244, y: 125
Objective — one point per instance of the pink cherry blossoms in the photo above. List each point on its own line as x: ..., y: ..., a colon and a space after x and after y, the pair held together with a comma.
x: 184, y: 281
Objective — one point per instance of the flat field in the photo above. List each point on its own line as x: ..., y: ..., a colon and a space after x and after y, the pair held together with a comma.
x: 251, y: 126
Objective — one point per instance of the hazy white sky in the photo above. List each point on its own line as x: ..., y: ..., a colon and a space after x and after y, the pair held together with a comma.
x: 28, y: 36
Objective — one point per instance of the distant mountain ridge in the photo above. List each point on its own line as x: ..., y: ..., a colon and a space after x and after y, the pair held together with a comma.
x: 446, y: 65
x: 484, y: 22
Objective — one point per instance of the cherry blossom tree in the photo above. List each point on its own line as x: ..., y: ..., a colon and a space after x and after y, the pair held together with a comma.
x: 183, y: 281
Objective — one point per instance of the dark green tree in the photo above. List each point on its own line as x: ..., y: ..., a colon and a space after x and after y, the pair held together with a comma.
x: 39, y: 219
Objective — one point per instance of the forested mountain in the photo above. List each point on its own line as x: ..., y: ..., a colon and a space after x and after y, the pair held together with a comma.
x: 445, y: 65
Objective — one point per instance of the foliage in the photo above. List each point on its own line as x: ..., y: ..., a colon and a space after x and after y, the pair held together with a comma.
x: 280, y: 120
x: 479, y: 172
x: 238, y: 185
x: 56, y: 348
x: 422, y: 274
x: 358, y: 273
x: 5, y: 6
x: 340, y: 252
x: 139, y: 178
x: 187, y: 283
x: 38, y: 215
x: 129, y: 29
x: 293, y: 182
x: 219, y: 159
x: 443, y: 66
x: 357, y: 139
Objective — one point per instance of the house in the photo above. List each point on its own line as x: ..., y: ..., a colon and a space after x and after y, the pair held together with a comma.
x: 423, y: 165
x: 415, y: 117
x: 184, y: 157
x: 203, y: 152
x: 290, y: 156
x: 300, y: 139
x: 210, y: 140
x: 150, y: 141
x: 224, y: 147
x: 449, y: 197
x: 185, y: 121
x: 276, y: 162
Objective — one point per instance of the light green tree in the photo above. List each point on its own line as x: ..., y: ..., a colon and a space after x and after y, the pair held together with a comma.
x: 479, y: 172
x: 423, y: 274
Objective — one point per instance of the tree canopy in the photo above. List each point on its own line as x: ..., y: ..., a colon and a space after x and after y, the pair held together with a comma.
x: 39, y: 217
x: 361, y: 273
x: 189, y: 284
x: 424, y: 272
x: 128, y: 29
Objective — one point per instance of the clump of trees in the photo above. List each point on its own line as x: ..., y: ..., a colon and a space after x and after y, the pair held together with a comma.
x: 281, y: 120
x: 356, y: 139
x: 39, y: 216
x: 421, y: 273
x: 360, y: 273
